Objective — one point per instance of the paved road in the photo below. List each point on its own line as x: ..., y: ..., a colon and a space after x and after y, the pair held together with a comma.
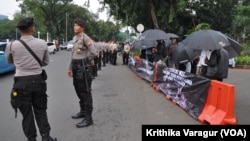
x: 122, y: 103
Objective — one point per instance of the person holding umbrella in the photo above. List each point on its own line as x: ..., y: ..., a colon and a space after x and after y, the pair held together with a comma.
x: 169, y: 51
x: 217, y: 65
x: 159, y: 51
x: 202, y: 66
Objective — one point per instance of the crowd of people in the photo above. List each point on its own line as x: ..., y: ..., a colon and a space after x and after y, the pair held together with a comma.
x: 212, y: 64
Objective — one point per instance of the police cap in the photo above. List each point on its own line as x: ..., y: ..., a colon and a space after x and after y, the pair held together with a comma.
x: 25, y: 22
x: 80, y: 22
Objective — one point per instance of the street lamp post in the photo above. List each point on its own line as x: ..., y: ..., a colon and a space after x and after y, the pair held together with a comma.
x: 66, y: 34
x: 16, y: 33
x: 38, y: 34
x: 66, y: 38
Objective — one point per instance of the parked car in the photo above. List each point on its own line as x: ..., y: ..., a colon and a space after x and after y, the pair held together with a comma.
x: 70, y: 45
x: 4, y: 65
x: 51, y: 47
x: 63, y: 46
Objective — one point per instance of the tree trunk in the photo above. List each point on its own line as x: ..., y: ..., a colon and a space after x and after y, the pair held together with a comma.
x: 152, y: 10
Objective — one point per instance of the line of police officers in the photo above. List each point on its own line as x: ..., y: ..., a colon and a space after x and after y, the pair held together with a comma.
x: 29, y: 88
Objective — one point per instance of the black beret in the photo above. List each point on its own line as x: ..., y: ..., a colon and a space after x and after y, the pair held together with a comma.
x: 26, y: 22
x: 80, y: 22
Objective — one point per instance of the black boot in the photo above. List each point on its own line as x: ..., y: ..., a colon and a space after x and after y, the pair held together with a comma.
x: 47, y: 137
x: 31, y: 139
x: 87, y: 121
x: 81, y: 114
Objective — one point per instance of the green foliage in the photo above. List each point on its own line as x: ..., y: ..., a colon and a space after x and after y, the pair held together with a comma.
x: 202, y: 26
x: 243, y: 60
x: 136, y: 51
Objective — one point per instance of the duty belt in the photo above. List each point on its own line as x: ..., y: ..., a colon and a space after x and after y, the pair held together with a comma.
x: 77, y: 61
x: 28, y: 78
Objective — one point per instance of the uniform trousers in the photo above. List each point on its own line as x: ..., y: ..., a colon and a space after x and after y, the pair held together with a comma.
x: 125, y: 57
x: 82, y: 85
x: 33, y: 104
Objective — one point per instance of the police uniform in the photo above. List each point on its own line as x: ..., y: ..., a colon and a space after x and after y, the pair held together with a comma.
x: 105, y: 50
x: 95, y: 67
x: 99, y: 48
x: 29, y: 88
x: 83, y: 53
x: 114, y: 53
x: 126, y: 54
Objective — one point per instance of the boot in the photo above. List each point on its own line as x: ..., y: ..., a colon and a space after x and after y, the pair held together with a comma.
x: 87, y: 121
x: 47, y: 137
x: 81, y: 114
x: 31, y: 139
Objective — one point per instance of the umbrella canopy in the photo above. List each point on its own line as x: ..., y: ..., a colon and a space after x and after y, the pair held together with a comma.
x: 144, y: 44
x: 171, y: 36
x: 211, y: 40
x: 154, y: 34
x: 234, y: 49
x: 206, y: 40
x: 149, y: 38
x: 180, y: 54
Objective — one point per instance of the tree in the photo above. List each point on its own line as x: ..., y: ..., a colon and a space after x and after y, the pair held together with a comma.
x: 152, y: 13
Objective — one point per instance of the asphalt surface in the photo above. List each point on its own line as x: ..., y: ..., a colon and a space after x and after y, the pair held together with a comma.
x: 122, y: 103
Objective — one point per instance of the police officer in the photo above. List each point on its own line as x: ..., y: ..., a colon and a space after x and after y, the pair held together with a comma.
x: 114, y: 52
x: 29, y: 87
x: 81, y: 62
x: 126, y: 52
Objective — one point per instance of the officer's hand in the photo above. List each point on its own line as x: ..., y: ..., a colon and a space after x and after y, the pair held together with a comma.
x: 70, y: 74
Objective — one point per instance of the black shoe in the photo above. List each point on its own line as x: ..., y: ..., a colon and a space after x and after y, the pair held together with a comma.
x: 84, y: 123
x: 47, y: 137
x: 78, y: 115
x: 50, y: 139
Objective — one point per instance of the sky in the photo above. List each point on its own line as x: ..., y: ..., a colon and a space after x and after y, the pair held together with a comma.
x: 10, y: 7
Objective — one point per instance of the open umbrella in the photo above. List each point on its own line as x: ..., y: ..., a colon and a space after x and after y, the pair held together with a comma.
x: 211, y: 40
x: 154, y: 34
x: 149, y: 38
x: 206, y: 39
x: 234, y: 49
x: 180, y: 54
x: 144, y: 44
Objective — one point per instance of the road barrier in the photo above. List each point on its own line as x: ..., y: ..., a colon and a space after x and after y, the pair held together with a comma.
x: 219, y: 106
x: 208, y: 101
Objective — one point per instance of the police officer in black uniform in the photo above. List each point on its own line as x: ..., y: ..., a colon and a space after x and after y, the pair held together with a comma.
x: 29, y: 89
x: 80, y: 68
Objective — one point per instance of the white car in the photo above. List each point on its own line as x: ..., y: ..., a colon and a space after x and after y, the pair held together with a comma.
x: 70, y: 45
x: 51, y: 47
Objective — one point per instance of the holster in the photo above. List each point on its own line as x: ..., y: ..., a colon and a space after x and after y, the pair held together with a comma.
x: 15, y: 99
x: 44, y: 74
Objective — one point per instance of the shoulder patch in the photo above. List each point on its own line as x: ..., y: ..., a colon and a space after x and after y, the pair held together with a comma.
x: 87, y: 41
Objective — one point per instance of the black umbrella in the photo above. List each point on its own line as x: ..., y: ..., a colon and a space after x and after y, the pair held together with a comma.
x: 211, y: 40
x: 234, y: 49
x: 143, y: 44
x: 154, y: 34
x: 171, y: 36
x: 206, y: 40
x: 180, y: 54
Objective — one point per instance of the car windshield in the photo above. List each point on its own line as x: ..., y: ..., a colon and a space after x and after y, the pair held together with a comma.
x: 50, y: 44
x: 3, y: 46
